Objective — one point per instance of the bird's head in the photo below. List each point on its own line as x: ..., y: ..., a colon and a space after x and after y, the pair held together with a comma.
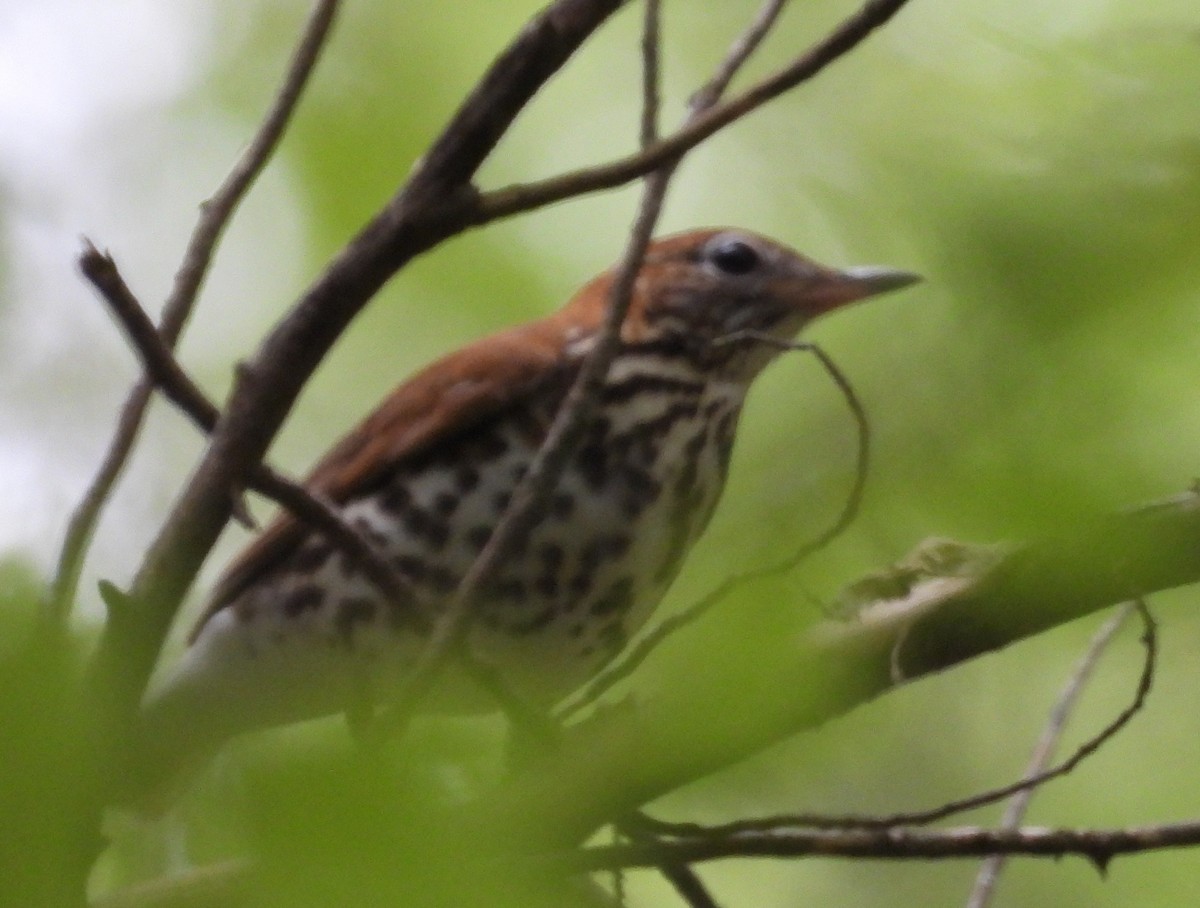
x: 721, y: 292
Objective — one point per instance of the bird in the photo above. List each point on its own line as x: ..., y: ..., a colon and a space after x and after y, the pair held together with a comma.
x: 295, y: 629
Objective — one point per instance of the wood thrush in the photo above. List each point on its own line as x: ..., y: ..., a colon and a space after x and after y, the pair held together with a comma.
x: 295, y: 629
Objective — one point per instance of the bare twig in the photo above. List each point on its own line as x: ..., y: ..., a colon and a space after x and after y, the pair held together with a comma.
x: 525, y: 197
x: 1099, y: 846
x: 164, y: 372
x: 684, y: 879
x: 739, y: 52
x: 214, y: 216
x: 641, y: 651
x: 651, y: 55
x: 1014, y: 814
x: 920, y: 818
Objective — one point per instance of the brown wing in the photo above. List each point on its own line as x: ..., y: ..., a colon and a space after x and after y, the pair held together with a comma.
x: 440, y: 401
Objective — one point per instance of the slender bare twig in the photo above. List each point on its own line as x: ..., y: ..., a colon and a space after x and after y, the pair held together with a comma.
x: 164, y: 372
x: 633, y: 658
x: 1043, y: 751
x: 512, y: 200
x: 739, y: 52
x: 684, y: 879
x: 214, y: 216
x: 651, y: 78
x: 1099, y: 846
x: 789, y: 822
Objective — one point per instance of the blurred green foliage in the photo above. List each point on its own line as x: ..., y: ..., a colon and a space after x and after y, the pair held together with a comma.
x: 1040, y: 165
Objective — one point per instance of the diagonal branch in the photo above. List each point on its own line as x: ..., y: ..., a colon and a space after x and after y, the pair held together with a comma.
x: 165, y: 373
x: 1099, y: 846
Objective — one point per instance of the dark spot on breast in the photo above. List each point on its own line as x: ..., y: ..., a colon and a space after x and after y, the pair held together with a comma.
x: 691, y: 463
x: 581, y: 581
x: 604, y: 548
x: 478, y: 536
x: 466, y: 477
x: 411, y: 566
x: 442, y: 580
x: 547, y: 585
x: 592, y: 458
x: 312, y: 555
x: 612, y: 638
x: 423, y: 524
x: 617, y: 600
x: 642, y: 490
x: 487, y: 446
x: 352, y: 611
x: 536, y: 623
x: 500, y: 502
x: 395, y: 498
x: 561, y: 505
x: 445, y: 504
x: 551, y: 555
x: 303, y: 599
x: 508, y: 588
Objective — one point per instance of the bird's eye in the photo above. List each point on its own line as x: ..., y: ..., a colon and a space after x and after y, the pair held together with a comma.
x: 733, y: 257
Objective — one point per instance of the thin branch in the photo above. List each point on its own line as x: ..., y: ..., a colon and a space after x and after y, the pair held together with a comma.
x: 1029, y: 782
x: 1099, y: 846
x: 688, y: 885
x: 164, y: 372
x: 651, y: 55
x: 214, y: 216
x: 512, y: 200
x: 641, y: 651
x: 1043, y: 752
x: 684, y: 879
x: 742, y: 49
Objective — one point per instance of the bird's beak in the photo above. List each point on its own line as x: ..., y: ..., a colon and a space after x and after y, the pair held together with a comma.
x: 838, y: 288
